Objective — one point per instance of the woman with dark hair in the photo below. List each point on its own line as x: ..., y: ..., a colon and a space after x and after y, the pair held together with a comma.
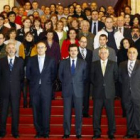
x: 37, y: 25
x: 127, y: 21
x: 53, y: 48
x: 26, y: 50
x: 27, y: 27
x: 48, y: 25
x: 11, y: 36
x: 135, y: 22
x: 72, y: 35
x: 122, y: 53
x: 71, y: 10
x: 54, y: 20
x: 75, y: 24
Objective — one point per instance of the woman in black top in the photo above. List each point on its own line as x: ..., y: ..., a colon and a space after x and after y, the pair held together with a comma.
x: 122, y: 53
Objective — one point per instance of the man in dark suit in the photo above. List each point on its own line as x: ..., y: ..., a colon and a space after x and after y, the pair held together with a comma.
x: 104, y: 73
x: 95, y: 24
x: 41, y: 72
x: 73, y: 73
x: 11, y: 76
x: 125, y: 31
x: 86, y: 55
x: 136, y: 39
x: 129, y: 75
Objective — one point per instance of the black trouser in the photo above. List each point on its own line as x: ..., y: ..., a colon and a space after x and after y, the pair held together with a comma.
x: 41, y: 112
x: 86, y: 98
x: 97, y: 112
x: 14, y: 102
x: 132, y: 107
x: 78, y: 105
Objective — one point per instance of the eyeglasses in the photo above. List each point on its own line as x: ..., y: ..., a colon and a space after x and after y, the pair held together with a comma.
x: 40, y: 47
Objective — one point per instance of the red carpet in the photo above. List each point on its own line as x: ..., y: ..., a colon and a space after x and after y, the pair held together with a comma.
x: 27, y: 130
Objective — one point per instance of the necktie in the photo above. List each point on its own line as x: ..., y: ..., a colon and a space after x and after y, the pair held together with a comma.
x: 120, y: 29
x: 130, y: 68
x: 83, y: 55
x: 40, y: 64
x: 94, y: 29
x: 103, y: 67
x: 11, y: 65
x: 72, y: 67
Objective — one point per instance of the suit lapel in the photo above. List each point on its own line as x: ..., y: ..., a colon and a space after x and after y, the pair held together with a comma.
x: 107, y: 68
x: 37, y: 64
x: 135, y: 67
x: 45, y: 63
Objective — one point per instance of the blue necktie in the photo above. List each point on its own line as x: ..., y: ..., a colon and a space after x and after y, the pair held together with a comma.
x: 72, y: 67
x: 94, y: 29
x: 11, y: 65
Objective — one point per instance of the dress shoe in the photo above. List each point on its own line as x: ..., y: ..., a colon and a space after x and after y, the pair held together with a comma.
x: 46, y: 136
x: 16, y: 136
x: 2, y: 136
x: 38, y: 136
x: 86, y: 115
x: 128, y: 136
x: 78, y: 136
x: 65, y: 136
x: 111, y: 137
x: 96, y: 137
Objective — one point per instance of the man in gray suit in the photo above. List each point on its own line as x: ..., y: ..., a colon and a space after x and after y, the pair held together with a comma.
x: 103, y: 39
x: 129, y: 76
x: 73, y: 74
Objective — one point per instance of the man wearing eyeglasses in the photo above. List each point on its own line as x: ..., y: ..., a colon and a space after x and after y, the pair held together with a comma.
x: 41, y: 72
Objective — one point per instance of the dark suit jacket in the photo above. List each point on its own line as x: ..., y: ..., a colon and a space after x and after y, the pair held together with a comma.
x: 127, y: 33
x: 100, y: 25
x: 77, y: 80
x: 130, y: 83
x: 47, y: 75
x: 10, y: 82
x: 88, y: 59
x: 104, y: 83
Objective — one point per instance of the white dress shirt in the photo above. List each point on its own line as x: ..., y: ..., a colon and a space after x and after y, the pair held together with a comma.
x: 133, y: 64
x: 13, y: 59
x: 83, y: 51
x: 93, y: 26
x: 75, y: 61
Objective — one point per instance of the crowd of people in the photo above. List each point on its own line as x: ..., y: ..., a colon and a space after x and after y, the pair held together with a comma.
x: 89, y: 49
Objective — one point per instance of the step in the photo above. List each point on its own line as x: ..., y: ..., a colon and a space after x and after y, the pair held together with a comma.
x: 58, y: 110
x: 59, y: 120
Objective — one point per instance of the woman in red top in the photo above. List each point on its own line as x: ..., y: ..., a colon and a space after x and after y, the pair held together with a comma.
x: 71, y: 40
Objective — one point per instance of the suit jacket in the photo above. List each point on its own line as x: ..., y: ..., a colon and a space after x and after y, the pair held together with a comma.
x: 47, y: 76
x: 127, y: 33
x: 10, y: 82
x: 112, y: 55
x: 77, y: 80
x: 100, y: 26
x: 88, y: 59
x: 130, y: 84
x: 104, y: 84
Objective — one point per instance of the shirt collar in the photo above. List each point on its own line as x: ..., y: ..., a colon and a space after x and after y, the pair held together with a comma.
x: 11, y: 58
x: 41, y: 56
x: 103, y: 60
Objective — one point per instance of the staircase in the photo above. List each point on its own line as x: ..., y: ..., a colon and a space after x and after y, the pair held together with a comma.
x: 27, y: 131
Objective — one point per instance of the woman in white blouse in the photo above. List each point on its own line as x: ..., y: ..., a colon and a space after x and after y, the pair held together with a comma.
x: 62, y: 35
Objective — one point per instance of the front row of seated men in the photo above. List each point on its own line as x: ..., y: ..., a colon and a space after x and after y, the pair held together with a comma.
x: 41, y: 72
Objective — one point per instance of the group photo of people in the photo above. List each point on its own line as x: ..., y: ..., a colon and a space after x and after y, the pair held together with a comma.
x: 84, y: 51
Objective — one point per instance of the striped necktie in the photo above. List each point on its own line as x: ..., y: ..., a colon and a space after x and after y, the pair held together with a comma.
x: 130, y: 68
x: 11, y: 64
